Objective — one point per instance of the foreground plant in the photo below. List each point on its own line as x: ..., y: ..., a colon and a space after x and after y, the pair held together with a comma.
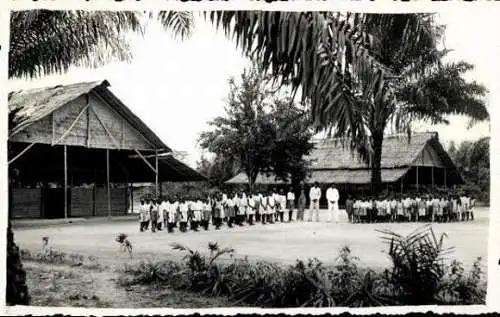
x: 418, y: 276
x: 418, y: 264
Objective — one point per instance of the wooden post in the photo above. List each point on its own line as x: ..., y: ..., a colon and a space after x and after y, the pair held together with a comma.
x: 156, y: 173
x: 444, y: 171
x: 417, y: 179
x: 131, y: 198
x: 65, y: 182
x: 432, y: 176
x: 107, y: 183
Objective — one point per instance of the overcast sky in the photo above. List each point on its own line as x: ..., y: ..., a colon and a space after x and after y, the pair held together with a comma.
x: 176, y: 87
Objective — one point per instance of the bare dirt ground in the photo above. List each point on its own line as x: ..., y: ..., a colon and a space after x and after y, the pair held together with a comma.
x: 62, y: 285
x: 282, y: 242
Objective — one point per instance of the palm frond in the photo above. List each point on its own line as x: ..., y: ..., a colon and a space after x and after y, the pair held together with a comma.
x: 181, y: 23
x: 180, y: 247
x: 45, y: 41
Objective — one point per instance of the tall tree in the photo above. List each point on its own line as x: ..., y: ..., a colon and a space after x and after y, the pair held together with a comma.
x: 261, y: 134
x: 362, y: 73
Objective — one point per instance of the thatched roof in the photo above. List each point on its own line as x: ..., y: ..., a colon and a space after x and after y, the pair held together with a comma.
x: 343, y: 176
x: 333, y: 162
x: 35, y: 105
x: 28, y: 106
x: 398, y: 151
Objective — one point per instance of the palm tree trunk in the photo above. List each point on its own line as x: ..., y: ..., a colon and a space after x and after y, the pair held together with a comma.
x: 17, y: 291
x: 376, y: 172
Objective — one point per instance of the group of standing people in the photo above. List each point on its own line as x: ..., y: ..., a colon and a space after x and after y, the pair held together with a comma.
x: 232, y: 209
x: 267, y: 207
x: 411, y: 208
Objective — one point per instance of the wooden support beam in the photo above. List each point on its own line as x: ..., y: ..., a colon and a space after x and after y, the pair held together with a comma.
x: 156, y: 173
x: 432, y: 176
x: 117, y: 144
x: 119, y: 115
x: 131, y: 198
x: 417, y: 179
x: 107, y: 183
x: 444, y: 172
x: 65, y: 182
x: 145, y: 160
x: 88, y: 126
x: 21, y: 153
x: 65, y: 134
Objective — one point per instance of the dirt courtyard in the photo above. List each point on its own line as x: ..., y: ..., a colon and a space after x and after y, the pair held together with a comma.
x: 282, y: 242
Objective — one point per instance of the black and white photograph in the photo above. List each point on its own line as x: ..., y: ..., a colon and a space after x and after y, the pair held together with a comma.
x: 248, y: 159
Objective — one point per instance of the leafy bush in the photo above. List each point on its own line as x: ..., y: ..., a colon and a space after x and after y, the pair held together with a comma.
x: 459, y: 288
x: 418, y: 265
x: 418, y: 276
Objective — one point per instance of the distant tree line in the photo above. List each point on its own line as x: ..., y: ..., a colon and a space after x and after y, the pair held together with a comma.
x: 472, y: 159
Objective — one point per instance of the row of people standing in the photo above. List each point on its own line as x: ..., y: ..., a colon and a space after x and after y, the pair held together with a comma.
x: 411, y: 207
x: 237, y: 208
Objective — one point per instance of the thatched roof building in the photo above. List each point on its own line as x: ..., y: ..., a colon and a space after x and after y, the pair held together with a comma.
x: 407, y: 162
x: 73, y: 135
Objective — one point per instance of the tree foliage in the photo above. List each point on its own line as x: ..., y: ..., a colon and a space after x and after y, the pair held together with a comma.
x: 261, y: 132
x: 43, y: 42
x: 217, y: 169
x: 362, y: 73
x: 472, y: 159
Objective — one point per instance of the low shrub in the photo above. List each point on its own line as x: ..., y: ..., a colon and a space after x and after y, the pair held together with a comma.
x: 418, y: 276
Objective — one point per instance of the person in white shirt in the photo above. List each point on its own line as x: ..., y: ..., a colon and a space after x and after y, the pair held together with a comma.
x: 241, y: 209
x: 197, y: 209
x: 465, y: 202
x: 394, y: 209
x: 230, y: 209
x: 281, y: 205
x: 263, y: 207
x: 314, y: 196
x: 218, y: 210
x: 172, y: 210
x: 147, y: 214
x: 183, y: 215
x: 258, y: 206
x: 271, y: 205
x: 161, y: 218
x: 472, y: 205
x: 207, y: 213
x: 290, y: 203
x: 332, y: 196
x: 142, y: 215
x: 276, y: 201
x: 251, y: 208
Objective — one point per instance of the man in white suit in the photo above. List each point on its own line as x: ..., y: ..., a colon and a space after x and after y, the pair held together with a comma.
x: 314, y: 196
x: 332, y: 195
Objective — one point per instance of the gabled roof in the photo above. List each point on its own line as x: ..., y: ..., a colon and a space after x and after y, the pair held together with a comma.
x: 331, y: 161
x: 29, y: 106
x: 398, y: 151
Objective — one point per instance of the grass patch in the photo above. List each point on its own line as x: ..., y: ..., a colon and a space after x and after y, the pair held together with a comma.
x: 58, y: 285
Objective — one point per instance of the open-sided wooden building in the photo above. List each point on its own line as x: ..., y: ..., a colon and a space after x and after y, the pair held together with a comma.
x: 407, y: 164
x: 74, y: 150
